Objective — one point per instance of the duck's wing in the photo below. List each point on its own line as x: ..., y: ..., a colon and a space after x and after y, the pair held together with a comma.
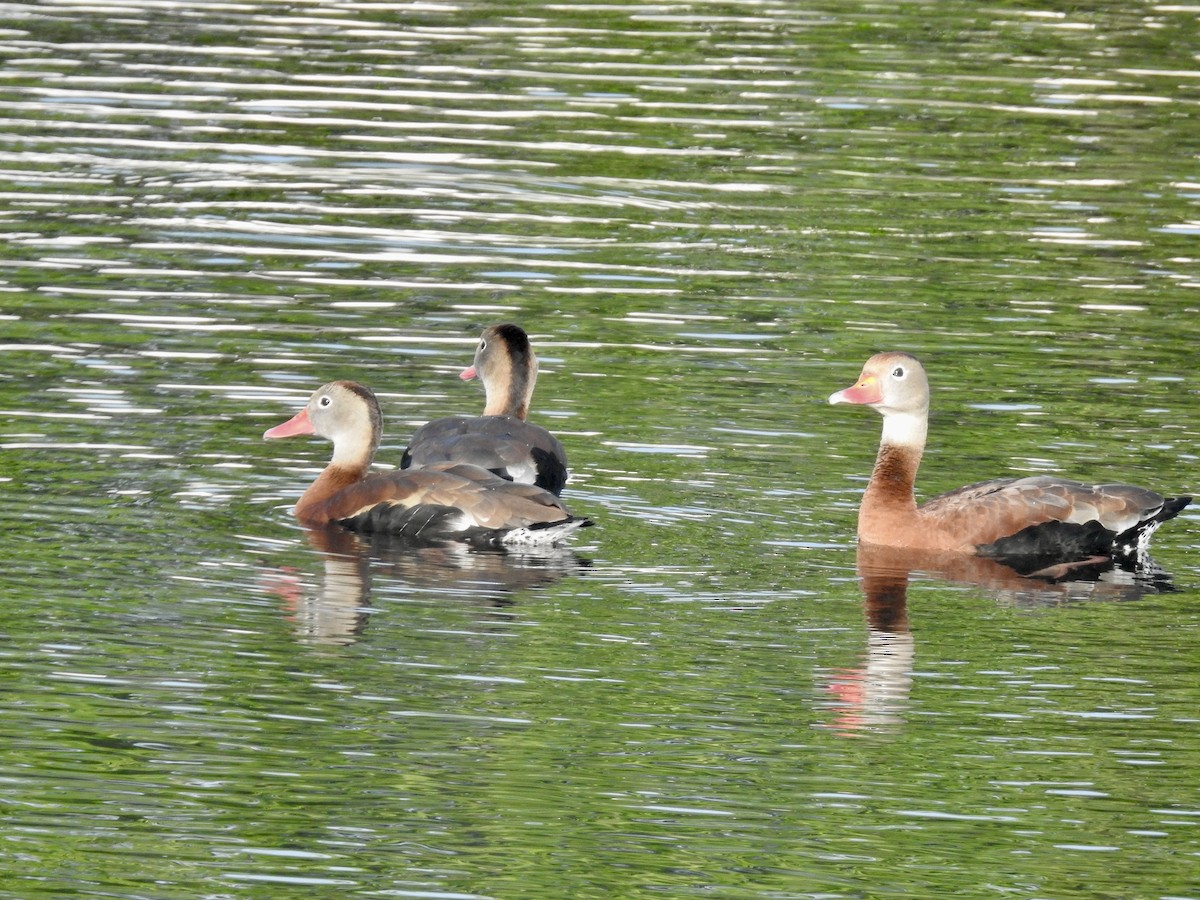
x: 455, y: 501
x: 1047, y: 516
x: 505, y: 445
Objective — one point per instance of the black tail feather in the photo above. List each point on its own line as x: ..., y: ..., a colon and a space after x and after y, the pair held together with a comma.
x: 1131, y: 546
x: 1043, y: 546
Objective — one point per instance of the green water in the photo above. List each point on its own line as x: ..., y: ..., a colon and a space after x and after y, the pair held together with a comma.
x: 707, y: 215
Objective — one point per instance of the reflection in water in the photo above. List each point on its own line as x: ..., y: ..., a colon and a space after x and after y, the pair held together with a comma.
x: 874, y: 695
x: 1104, y: 581
x: 335, y: 611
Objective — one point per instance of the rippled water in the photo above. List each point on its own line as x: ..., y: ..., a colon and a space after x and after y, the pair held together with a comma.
x: 707, y: 216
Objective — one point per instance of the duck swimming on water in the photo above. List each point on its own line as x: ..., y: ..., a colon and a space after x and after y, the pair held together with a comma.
x: 441, y: 502
x: 501, y: 440
x: 1041, y: 517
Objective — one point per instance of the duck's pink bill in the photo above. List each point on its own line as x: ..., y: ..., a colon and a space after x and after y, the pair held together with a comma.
x: 867, y: 391
x: 467, y: 374
x: 297, y: 424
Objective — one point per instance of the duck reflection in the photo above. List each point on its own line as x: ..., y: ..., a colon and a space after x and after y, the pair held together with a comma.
x: 1014, y: 582
x: 336, y: 609
x: 874, y: 695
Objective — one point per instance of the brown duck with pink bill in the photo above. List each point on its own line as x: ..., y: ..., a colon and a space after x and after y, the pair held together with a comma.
x: 442, y: 502
x: 1042, y: 517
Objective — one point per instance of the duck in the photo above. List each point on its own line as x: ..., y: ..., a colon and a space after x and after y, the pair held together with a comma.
x: 441, y: 502
x: 1034, y: 521
x: 502, y: 440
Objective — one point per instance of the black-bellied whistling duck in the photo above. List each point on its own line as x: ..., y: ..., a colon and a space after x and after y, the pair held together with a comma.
x: 501, y: 440
x: 443, y: 502
x: 1039, y: 517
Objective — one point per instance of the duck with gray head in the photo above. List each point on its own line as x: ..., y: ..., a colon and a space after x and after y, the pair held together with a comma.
x: 1036, y: 520
x: 442, y: 502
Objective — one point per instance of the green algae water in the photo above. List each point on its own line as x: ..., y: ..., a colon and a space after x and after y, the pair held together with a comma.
x: 707, y: 215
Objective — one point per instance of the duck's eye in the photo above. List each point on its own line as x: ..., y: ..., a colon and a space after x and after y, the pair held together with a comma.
x: 898, y: 372
x: 325, y: 401
x: 483, y: 345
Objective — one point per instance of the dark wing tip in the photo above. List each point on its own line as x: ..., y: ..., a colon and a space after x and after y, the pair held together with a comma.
x: 1171, y: 507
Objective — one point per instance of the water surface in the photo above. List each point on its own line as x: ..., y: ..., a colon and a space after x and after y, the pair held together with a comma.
x: 707, y: 216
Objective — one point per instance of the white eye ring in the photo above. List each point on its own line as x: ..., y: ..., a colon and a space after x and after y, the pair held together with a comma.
x: 325, y: 400
x: 898, y: 372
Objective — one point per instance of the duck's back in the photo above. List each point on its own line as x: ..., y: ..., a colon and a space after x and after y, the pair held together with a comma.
x: 1045, y: 515
x: 506, y: 445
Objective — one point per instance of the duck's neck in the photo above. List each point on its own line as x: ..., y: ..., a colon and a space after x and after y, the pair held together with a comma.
x: 350, y: 464
x: 510, y: 393
x: 314, y: 506
x: 889, y: 506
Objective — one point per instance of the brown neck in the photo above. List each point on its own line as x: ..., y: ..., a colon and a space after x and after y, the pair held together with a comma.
x: 317, y: 505
x: 353, y: 451
x: 895, y: 473
x: 509, y: 395
x: 889, y: 505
